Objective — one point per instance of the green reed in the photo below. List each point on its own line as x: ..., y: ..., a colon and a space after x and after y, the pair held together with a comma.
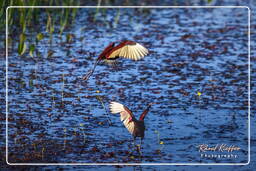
x: 83, y: 132
x: 104, y: 107
x: 23, y: 21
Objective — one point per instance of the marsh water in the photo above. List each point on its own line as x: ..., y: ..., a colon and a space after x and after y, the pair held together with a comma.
x: 196, y: 71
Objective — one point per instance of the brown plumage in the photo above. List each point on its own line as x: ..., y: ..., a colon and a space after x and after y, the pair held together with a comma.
x: 125, y: 49
x: 134, y: 126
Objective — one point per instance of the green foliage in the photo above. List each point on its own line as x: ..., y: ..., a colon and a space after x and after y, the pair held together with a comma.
x: 22, y: 21
x: 22, y: 45
x: 31, y: 50
x: 64, y: 20
x: 39, y: 36
x: 117, y: 18
x: 69, y: 38
x: 22, y: 48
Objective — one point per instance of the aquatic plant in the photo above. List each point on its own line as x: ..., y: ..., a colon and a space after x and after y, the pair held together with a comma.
x: 65, y: 138
x: 62, y: 88
x: 83, y: 132
x: 159, y: 142
x: 99, y: 98
x: 42, y: 153
x: 24, y: 20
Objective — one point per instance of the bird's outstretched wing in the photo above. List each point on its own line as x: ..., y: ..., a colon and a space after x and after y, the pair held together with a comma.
x: 128, y: 49
x: 126, y: 115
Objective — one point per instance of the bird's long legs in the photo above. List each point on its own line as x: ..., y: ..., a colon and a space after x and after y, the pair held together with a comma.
x: 140, y: 147
x: 140, y: 141
x: 89, y: 73
x: 134, y: 145
x: 137, y: 147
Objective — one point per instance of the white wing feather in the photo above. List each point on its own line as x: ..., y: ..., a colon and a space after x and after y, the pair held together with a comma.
x: 124, y: 115
x: 134, y: 52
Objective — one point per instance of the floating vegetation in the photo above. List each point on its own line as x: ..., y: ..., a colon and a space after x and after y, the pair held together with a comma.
x: 199, y: 93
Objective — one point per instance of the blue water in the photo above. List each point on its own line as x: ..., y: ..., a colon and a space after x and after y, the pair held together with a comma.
x: 191, y: 51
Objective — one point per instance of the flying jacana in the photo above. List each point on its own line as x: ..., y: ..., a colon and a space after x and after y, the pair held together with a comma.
x: 126, y: 49
x: 134, y: 126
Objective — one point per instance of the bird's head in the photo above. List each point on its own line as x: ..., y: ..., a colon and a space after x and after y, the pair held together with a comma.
x: 145, y: 112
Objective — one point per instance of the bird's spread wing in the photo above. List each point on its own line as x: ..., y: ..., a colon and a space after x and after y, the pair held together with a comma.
x: 126, y: 115
x: 128, y: 49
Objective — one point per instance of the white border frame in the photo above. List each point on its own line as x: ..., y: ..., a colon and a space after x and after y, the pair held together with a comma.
x: 159, y: 164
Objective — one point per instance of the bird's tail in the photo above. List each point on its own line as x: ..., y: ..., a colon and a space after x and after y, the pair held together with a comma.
x: 89, y: 73
x: 116, y: 107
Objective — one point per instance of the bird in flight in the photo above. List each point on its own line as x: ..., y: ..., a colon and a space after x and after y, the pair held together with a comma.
x: 126, y: 49
x: 134, y: 126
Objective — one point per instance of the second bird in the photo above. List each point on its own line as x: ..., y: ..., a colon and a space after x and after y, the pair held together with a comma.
x: 134, y: 126
x: 126, y: 49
